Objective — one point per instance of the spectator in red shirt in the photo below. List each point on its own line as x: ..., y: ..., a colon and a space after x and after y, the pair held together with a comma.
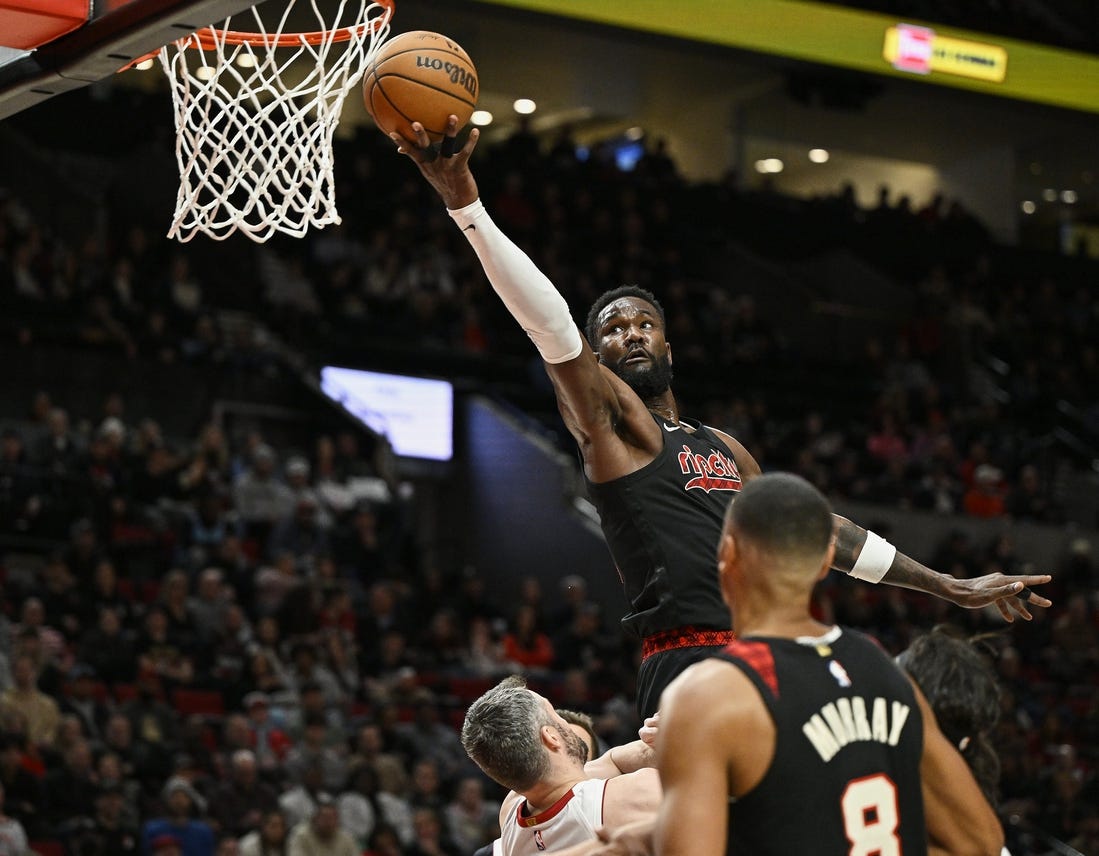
x: 985, y: 498
x: 525, y: 644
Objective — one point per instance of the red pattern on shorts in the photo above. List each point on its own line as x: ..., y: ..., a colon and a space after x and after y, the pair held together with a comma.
x: 683, y: 637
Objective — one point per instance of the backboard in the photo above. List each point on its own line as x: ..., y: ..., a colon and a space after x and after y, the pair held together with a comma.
x: 52, y: 46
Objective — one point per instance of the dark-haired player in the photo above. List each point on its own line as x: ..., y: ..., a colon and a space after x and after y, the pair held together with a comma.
x: 800, y: 737
x: 660, y: 481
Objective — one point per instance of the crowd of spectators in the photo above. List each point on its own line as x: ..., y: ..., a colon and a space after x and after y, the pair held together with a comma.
x: 234, y: 646
x: 974, y: 404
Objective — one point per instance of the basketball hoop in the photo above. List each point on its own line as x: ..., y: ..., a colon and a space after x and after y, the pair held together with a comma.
x: 255, y: 113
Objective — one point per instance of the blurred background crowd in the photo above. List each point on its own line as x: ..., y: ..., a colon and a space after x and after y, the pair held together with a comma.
x: 223, y: 634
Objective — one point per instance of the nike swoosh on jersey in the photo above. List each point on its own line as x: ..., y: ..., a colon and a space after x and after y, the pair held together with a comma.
x: 470, y: 226
x: 668, y: 427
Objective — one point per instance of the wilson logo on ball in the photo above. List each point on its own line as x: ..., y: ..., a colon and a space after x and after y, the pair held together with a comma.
x: 459, y: 75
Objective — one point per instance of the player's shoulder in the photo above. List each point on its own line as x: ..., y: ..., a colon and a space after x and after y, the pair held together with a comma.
x: 745, y: 463
x: 702, y: 684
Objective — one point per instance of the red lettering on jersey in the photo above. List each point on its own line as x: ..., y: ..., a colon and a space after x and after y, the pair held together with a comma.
x: 714, y: 472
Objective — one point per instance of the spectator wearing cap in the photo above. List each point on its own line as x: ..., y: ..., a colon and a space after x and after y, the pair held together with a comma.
x: 270, y: 742
x: 322, y: 834
x: 239, y: 804
x: 182, y: 806
x: 38, y: 709
x: 259, y: 497
x: 82, y: 703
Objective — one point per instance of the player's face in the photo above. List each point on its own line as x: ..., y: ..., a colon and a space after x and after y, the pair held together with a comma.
x: 632, y: 345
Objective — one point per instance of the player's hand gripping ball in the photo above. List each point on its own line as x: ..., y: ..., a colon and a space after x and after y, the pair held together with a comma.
x: 420, y: 77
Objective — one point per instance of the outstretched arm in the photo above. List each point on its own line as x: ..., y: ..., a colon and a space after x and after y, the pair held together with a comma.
x: 866, y: 556
x: 598, y: 409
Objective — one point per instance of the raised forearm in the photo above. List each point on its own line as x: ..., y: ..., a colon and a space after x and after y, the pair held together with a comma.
x: 903, y: 571
x: 618, y: 760
x: 527, y: 293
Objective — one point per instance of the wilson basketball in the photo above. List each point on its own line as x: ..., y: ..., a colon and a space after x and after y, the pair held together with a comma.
x: 420, y: 77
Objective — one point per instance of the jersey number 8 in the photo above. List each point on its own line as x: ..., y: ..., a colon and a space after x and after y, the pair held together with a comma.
x: 870, y: 816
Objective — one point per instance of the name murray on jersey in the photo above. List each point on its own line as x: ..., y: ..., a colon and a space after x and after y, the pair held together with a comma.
x: 854, y: 719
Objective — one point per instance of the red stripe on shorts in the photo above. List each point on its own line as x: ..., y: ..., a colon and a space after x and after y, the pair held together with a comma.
x: 683, y: 637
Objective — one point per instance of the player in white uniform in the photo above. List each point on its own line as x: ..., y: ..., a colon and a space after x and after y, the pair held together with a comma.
x: 573, y: 819
x: 556, y: 801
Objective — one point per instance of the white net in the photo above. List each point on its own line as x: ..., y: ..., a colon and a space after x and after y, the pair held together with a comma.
x: 255, y: 114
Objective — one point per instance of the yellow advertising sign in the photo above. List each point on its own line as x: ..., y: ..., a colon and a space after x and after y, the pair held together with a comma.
x: 921, y: 50
x: 849, y: 38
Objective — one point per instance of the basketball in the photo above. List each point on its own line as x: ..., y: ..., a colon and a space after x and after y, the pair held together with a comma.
x: 420, y: 77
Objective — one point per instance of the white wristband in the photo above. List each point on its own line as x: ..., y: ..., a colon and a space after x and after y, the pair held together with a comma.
x: 527, y: 293
x: 875, y: 559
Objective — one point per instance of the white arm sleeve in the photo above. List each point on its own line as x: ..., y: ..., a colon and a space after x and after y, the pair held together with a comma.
x: 527, y: 293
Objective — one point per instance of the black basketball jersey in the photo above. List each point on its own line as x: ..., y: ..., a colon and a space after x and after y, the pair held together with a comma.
x: 845, y: 777
x: 663, y: 523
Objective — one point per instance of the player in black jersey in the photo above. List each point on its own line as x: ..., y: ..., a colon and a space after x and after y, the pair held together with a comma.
x: 799, y: 737
x: 660, y: 481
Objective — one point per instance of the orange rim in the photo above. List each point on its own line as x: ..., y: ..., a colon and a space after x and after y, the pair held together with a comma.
x: 208, y: 38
